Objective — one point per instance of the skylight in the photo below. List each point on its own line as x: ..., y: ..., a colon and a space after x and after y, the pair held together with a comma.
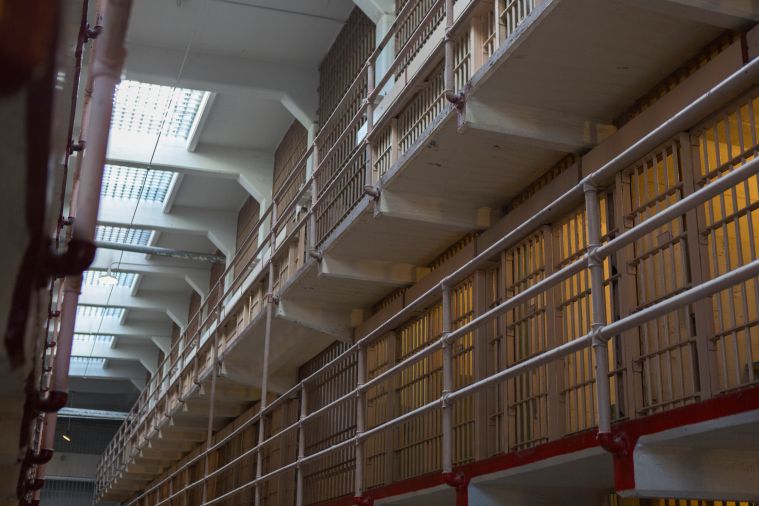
x: 92, y: 277
x: 131, y: 183
x: 96, y: 362
x: 123, y: 235
x: 141, y: 108
x: 99, y: 312
x: 94, y: 338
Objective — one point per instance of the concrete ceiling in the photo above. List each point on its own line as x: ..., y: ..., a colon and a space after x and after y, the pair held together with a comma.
x: 246, y: 121
x: 259, y: 60
x: 256, y: 29
x: 210, y: 193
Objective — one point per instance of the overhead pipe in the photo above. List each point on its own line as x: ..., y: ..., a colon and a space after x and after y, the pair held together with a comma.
x: 271, y: 301
x: 40, y: 451
x: 106, y: 63
x: 449, y: 76
x: 165, y: 252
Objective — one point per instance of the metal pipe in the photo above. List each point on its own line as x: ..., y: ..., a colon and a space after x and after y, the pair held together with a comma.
x: 450, y: 46
x: 447, y: 409
x: 598, y: 307
x: 301, y: 447
x: 209, y: 431
x: 165, y: 252
x: 107, y: 61
x: 360, y: 423
x: 271, y: 300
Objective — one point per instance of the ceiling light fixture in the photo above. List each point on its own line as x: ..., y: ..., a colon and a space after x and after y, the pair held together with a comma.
x: 65, y: 435
x: 108, y: 279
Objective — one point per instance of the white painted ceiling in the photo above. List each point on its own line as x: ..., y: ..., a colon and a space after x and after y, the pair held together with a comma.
x: 279, y: 42
x: 257, y: 29
x: 210, y: 193
x: 186, y: 242
x: 246, y: 121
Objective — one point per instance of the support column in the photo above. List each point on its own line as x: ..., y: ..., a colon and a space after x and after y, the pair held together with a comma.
x: 311, y: 239
x: 369, y: 169
x: 270, y: 303
x: 209, y: 433
x: 301, y: 445
x: 598, y: 305
x: 447, y: 438
x: 360, y: 426
x: 457, y: 480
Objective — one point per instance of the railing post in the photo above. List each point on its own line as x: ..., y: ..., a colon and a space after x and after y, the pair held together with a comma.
x: 456, y: 480
x: 598, y: 305
x: 449, y: 77
x: 270, y: 302
x: 447, y: 414
x: 209, y: 433
x: 312, y: 240
x: 360, y: 424
x: 301, y: 445
x: 369, y: 170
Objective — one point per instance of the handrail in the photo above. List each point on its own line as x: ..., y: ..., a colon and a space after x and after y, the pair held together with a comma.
x: 729, y: 87
x: 681, y: 121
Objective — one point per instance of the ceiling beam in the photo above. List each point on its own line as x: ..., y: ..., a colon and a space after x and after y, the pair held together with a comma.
x: 197, y: 277
x: 200, y: 120
x: 113, y: 327
x: 146, y: 354
x: 295, y: 86
x: 219, y: 226
x: 116, y: 370
x: 252, y: 169
x: 376, y: 9
x: 174, y: 304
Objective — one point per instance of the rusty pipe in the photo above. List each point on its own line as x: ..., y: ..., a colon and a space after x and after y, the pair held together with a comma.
x: 107, y: 60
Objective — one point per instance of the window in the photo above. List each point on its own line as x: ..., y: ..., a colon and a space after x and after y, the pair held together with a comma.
x: 88, y: 362
x: 94, y: 338
x: 131, y: 183
x: 123, y: 235
x: 144, y: 108
x: 99, y: 312
x: 92, y: 277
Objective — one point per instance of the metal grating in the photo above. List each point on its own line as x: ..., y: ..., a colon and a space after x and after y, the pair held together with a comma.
x: 86, y: 436
x: 67, y: 493
x: 123, y: 235
x: 99, y: 312
x: 145, y: 108
x: 131, y: 183
x: 94, y: 338
x: 97, y: 362
x: 92, y: 278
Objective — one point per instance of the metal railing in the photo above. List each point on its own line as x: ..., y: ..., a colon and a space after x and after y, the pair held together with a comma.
x: 202, y: 351
x: 601, y: 331
x: 331, y: 199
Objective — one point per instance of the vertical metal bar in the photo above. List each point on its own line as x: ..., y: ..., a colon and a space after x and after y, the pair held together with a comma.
x: 312, y: 240
x: 595, y: 265
x: 360, y: 420
x: 209, y: 432
x: 369, y: 178
x: 301, y: 445
x: 270, y: 301
x: 448, y: 75
x: 447, y: 383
